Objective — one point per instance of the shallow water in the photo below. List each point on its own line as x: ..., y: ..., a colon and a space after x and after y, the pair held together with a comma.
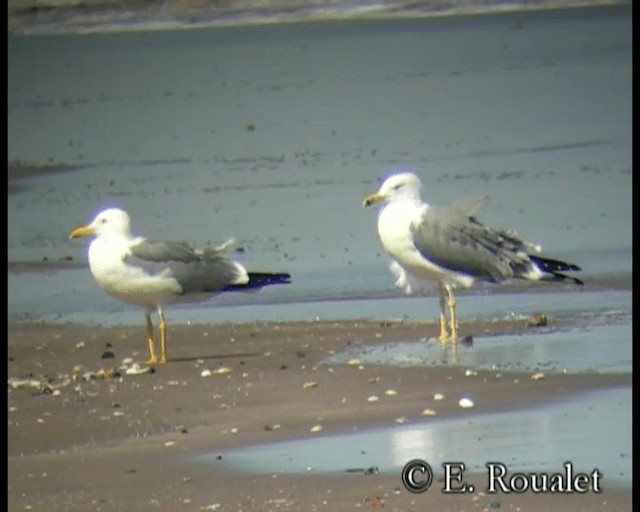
x: 578, y: 430
x: 606, y: 348
x: 531, y: 109
x: 72, y: 296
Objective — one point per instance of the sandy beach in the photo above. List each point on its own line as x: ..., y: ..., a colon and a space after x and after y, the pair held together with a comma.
x: 83, y: 441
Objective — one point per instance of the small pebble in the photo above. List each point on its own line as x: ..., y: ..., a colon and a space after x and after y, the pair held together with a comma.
x: 467, y: 341
x: 537, y: 320
x: 136, y: 369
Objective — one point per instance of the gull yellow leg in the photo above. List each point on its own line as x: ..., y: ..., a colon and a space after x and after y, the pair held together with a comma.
x: 163, y: 337
x: 153, y: 358
x: 444, y: 334
x: 452, y: 313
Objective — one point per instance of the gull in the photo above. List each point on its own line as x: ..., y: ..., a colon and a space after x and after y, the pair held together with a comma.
x: 153, y: 274
x: 449, y: 247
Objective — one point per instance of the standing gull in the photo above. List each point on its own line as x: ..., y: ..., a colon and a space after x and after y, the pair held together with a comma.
x: 449, y: 246
x: 153, y: 274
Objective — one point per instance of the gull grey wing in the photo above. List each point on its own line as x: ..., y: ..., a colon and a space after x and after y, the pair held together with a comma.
x: 452, y: 238
x: 196, y: 270
x: 162, y: 251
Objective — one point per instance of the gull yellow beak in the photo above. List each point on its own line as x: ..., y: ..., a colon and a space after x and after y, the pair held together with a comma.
x: 372, y: 199
x: 82, y: 232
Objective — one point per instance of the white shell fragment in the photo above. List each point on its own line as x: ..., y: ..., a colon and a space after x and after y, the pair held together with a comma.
x: 223, y: 370
x: 438, y: 396
x: 391, y: 392
x: 136, y: 369
x: 372, y: 399
x: 538, y: 376
x: 26, y: 383
x: 316, y: 428
x: 429, y: 412
x: 466, y: 403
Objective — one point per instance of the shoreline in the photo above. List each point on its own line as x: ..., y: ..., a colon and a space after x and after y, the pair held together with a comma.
x: 44, y: 352
x: 60, y: 17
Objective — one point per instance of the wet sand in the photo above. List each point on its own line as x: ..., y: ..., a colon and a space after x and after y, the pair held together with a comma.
x: 128, y: 442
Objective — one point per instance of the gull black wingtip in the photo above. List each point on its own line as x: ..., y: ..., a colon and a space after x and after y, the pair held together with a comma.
x: 259, y: 280
x: 555, y: 268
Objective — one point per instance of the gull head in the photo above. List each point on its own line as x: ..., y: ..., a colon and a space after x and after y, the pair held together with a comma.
x: 401, y: 186
x: 111, y: 221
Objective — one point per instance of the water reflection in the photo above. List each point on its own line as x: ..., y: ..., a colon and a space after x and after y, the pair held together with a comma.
x: 591, y: 431
x: 598, y: 346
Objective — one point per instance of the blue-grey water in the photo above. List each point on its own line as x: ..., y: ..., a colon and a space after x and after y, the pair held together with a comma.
x: 602, y: 346
x: 531, y: 109
x: 273, y: 135
x: 541, y: 439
